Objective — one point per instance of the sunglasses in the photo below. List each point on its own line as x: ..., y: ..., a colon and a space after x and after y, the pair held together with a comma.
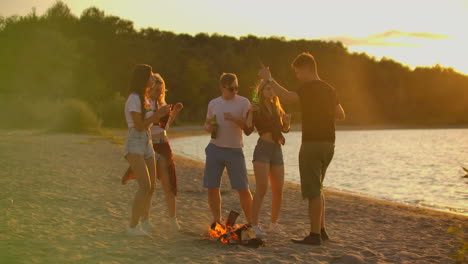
x: 233, y: 89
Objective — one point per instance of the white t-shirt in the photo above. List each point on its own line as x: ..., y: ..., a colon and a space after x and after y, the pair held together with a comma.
x: 229, y: 133
x: 133, y: 104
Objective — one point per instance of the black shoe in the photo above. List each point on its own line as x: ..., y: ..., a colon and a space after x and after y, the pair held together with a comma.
x: 324, y: 235
x: 312, y: 239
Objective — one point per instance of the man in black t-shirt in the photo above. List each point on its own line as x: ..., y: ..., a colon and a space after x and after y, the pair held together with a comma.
x: 320, y: 108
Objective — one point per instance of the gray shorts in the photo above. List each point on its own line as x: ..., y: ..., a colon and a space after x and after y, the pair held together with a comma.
x: 218, y: 158
x: 139, y: 143
x: 268, y: 152
x: 314, y: 158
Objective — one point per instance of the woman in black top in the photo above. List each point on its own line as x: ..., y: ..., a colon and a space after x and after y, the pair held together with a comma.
x: 271, y: 121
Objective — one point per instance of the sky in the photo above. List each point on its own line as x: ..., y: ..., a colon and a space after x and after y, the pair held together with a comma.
x: 413, y: 32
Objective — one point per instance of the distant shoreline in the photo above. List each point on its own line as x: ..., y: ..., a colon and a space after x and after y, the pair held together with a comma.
x: 297, y: 127
x: 395, y: 127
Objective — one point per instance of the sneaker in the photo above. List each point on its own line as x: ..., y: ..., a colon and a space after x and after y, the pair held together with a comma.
x: 147, y: 226
x: 174, y: 223
x: 136, y: 231
x: 324, y: 235
x: 311, y: 239
x: 276, y: 229
x: 258, y: 232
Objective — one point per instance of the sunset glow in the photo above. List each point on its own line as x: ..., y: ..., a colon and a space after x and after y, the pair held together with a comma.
x: 416, y: 33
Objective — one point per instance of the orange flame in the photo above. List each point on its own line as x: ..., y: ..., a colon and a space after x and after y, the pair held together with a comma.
x: 223, y: 233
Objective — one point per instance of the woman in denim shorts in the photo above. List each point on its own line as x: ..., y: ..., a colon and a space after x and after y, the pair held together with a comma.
x: 138, y: 146
x: 165, y: 165
x: 271, y: 121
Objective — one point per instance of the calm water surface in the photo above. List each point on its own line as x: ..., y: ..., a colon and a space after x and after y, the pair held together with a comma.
x: 417, y: 167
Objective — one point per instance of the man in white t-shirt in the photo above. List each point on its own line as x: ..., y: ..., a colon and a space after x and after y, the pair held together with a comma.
x: 225, y: 150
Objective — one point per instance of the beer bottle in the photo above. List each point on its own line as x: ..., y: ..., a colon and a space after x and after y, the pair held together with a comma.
x: 214, y: 123
x: 255, y: 98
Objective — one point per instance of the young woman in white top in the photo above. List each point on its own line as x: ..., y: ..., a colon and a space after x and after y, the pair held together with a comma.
x: 138, y: 146
x: 165, y: 165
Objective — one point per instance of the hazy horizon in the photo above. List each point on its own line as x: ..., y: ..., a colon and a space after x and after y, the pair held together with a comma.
x: 425, y: 37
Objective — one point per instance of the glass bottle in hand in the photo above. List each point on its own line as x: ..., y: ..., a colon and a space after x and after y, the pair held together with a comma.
x: 214, y: 123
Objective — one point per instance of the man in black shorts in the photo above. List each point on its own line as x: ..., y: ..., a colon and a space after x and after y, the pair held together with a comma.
x: 320, y: 108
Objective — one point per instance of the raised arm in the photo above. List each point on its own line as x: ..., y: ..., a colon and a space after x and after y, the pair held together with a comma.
x: 177, y: 108
x: 286, y: 118
x: 286, y: 96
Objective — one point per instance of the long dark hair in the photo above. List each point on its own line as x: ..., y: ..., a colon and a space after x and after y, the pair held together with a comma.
x: 139, y: 83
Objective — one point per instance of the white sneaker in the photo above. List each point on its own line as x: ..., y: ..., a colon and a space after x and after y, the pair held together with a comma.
x: 258, y: 232
x: 174, y: 223
x: 136, y: 231
x: 276, y: 228
x: 147, y: 226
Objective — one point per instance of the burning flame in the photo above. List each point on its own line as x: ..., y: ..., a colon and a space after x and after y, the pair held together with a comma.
x: 224, y: 234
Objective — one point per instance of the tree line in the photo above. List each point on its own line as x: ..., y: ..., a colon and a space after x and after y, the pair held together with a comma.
x: 59, y: 56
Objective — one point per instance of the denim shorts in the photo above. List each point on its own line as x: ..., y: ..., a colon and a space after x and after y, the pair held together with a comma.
x: 139, y: 142
x: 268, y: 152
x: 218, y: 158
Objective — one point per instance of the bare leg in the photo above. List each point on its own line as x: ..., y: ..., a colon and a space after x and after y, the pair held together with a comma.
x: 322, y: 222
x: 261, y: 170
x: 277, y: 182
x: 245, y: 198
x: 214, y: 201
x: 138, y: 165
x: 163, y: 173
x: 151, y: 165
x: 315, y: 214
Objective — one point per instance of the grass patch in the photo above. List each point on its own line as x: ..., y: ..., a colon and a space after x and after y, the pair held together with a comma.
x: 77, y: 117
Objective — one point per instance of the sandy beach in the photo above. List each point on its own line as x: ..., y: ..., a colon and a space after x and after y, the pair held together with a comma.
x: 61, y: 201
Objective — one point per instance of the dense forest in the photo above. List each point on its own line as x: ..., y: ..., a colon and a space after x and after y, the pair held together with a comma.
x: 82, y: 64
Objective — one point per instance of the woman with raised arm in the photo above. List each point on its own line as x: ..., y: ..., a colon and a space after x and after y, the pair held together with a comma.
x: 271, y: 121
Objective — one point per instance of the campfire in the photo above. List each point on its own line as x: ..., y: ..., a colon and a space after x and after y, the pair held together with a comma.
x: 234, y: 234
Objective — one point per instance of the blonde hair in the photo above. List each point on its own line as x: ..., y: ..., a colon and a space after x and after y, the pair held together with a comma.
x: 277, y: 108
x: 160, y: 81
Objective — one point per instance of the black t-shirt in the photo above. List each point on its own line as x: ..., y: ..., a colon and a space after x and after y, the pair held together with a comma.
x: 318, y: 105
